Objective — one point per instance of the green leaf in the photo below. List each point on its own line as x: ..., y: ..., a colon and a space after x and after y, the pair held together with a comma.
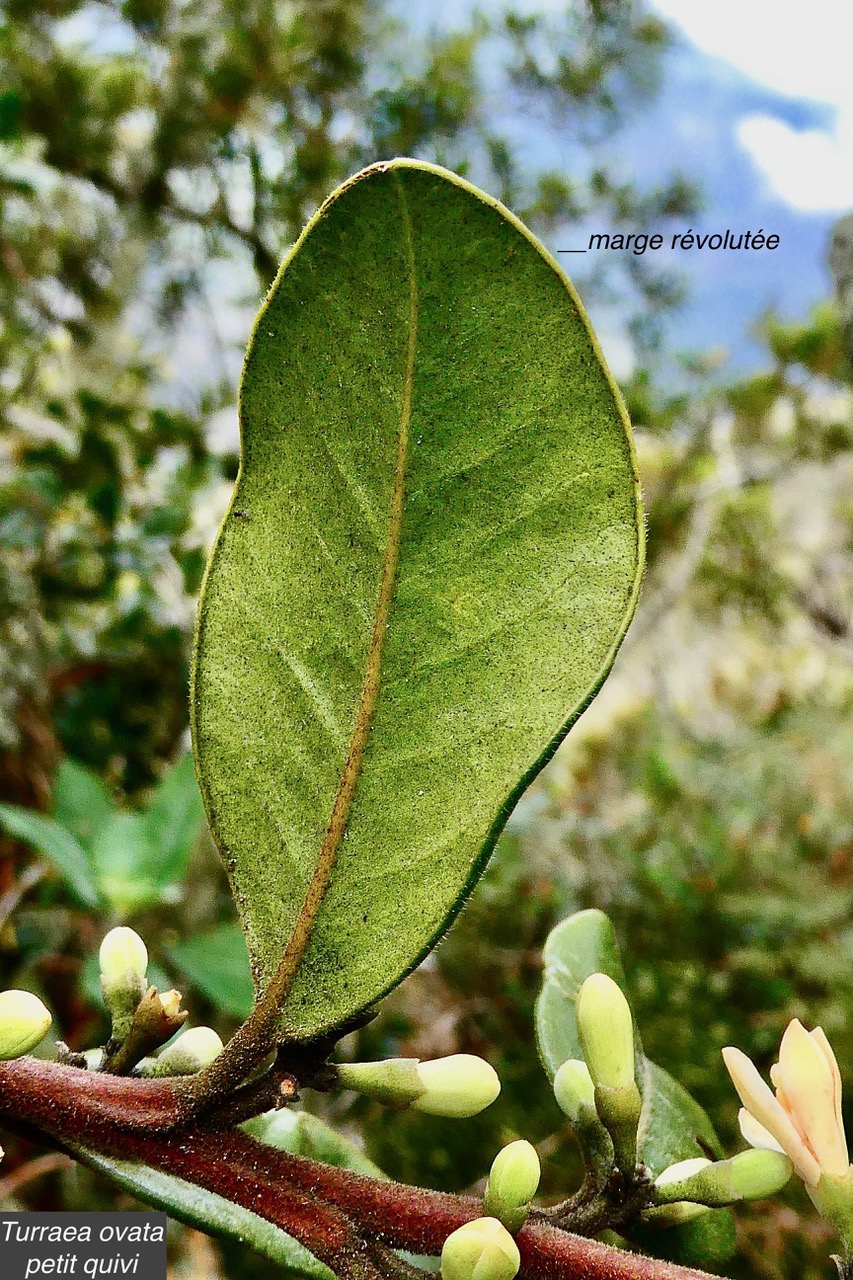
x: 673, y: 1126
x: 431, y: 555
x: 218, y: 964
x: 141, y: 858
x: 305, y: 1135
x: 174, y: 819
x: 126, y: 861
x: 707, y: 1241
x: 207, y: 1211
x: 55, y: 843
x: 583, y: 944
x: 81, y: 802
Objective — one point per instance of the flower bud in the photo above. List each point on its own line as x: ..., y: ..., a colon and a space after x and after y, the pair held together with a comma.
x: 513, y: 1180
x: 395, y: 1081
x: 24, y: 1021
x: 460, y: 1085
x: 573, y: 1089
x: 191, y: 1052
x: 751, y: 1175
x: 671, y: 1183
x: 123, y: 951
x: 606, y: 1031
x: 480, y: 1250
x: 674, y: 1215
x: 124, y: 960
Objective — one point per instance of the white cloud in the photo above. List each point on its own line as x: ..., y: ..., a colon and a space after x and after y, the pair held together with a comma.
x: 802, y: 53
x: 810, y: 170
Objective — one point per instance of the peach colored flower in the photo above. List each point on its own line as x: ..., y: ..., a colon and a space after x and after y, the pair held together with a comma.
x: 803, y: 1119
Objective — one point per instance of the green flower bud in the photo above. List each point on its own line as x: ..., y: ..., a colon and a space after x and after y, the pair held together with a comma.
x: 573, y: 1089
x: 458, y: 1086
x: 674, y: 1179
x: 751, y: 1175
x: 395, y: 1081
x: 674, y: 1215
x: 480, y: 1250
x: 513, y: 1180
x: 833, y: 1199
x: 124, y: 961
x: 24, y: 1021
x: 606, y: 1031
x: 191, y: 1052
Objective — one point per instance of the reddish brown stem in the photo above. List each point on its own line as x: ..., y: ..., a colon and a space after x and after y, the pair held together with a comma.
x: 334, y: 1213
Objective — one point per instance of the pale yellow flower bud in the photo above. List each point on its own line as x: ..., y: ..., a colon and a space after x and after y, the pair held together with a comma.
x: 459, y: 1086
x: 573, y: 1089
x: 606, y: 1030
x: 191, y: 1052
x: 24, y: 1021
x: 480, y: 1250
x: 122, y: 951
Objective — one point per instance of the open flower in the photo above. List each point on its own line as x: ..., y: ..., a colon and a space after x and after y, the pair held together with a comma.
x: 803, y: 1119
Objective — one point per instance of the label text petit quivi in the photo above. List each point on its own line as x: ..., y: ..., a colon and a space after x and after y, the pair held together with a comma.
x: 639, y: 242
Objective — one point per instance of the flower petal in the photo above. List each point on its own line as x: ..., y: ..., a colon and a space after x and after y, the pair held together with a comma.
x: 808, y: 1083
x: 759, y: 1101
x: 823, y: 1044
x: 755, y: 1133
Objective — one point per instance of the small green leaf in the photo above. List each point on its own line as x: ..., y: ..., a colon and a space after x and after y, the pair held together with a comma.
x: 126, y: 859
x: 81, y: 802
x: 207, y: 1211
x: 707, y: 1241
x: 583, y: 944
x: 432, y: 553
x: 174, y: 819
x: 305, y: 1135
x: 673, y: 1126
x: 672, y: 1121
x: 218, y: 964
x: 55, y: 843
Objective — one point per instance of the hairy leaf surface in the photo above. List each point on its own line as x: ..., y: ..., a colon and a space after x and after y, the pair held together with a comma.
x: 431, y: 555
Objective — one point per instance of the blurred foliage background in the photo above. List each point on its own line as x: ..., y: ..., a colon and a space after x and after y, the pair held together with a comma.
x: 156, y: 157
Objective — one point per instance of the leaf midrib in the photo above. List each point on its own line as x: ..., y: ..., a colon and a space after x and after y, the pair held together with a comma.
x: 321, y: 876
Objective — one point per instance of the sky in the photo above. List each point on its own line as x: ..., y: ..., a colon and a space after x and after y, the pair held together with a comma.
x: 756, y: 105
x: 808, y: 168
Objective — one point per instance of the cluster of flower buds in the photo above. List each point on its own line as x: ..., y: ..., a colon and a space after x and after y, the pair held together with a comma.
x: 599, y: 1095
x: 143, y: 1018
x: 601, y: 1099
x: 458, y: 1086
x: 485, y: 1249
